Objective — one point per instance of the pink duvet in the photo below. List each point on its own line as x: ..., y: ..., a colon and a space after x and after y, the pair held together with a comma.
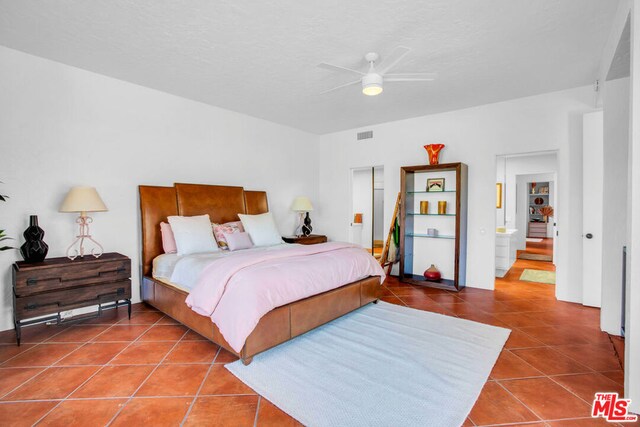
x: 236, y: 291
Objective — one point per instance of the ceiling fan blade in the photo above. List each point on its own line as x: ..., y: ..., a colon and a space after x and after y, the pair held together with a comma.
x: 407, y: 79
x: 338, y: 68
x: 392, y: 60
x: 426, y: 76
x: 340, y: 87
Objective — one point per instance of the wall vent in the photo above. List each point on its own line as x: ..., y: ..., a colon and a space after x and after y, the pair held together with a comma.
x: 365, y: 135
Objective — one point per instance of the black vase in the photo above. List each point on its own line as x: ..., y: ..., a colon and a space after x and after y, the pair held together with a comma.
x: 34, y: 248
x: 307, y: 228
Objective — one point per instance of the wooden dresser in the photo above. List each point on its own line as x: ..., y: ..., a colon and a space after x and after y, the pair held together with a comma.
x: 537, y: 229
x: 56, y: 285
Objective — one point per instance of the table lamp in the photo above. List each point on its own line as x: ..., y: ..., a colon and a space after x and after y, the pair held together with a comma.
x: 303, y: 205
x: 83, y: 200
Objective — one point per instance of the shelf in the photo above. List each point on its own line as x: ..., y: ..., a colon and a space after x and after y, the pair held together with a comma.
x: 421, y: 214
x: 431, y: 192
x: 539, y: 194
x: 442, y: 283
x: 442, y: 236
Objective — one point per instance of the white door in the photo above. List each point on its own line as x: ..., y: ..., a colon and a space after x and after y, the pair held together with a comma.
x: 592, y: 205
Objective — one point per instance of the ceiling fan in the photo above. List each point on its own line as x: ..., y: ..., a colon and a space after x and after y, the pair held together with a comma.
x: 372, y: 81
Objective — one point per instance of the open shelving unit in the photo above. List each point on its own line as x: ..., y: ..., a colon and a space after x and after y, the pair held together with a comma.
x: 447, y: 249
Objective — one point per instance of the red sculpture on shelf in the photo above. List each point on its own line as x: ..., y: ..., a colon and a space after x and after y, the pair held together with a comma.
x: 433, y: 150
x: 432, y: 273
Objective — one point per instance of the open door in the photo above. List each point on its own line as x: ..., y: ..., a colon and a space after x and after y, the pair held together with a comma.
x: 592, y: 208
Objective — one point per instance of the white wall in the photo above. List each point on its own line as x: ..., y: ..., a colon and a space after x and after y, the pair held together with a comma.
x: 474, y: 136
x: 62, y: 126
x: 615, y: 188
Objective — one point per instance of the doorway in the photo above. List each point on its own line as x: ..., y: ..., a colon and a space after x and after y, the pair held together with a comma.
x: 526, y: 212
x: 367, y: 209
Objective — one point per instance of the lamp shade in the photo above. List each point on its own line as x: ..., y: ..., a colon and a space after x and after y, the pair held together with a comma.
x: 302, y: 204
x: 83, y: 199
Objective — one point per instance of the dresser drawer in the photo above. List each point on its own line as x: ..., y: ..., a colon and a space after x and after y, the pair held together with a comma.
x: 56, y: 301
x: 31, y: 281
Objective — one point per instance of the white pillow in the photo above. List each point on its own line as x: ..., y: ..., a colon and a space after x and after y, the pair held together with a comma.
x: 193, y: 234
x: 261, y: 228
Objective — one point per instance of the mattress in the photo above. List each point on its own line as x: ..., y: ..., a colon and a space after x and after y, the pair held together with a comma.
x: 183, y: 272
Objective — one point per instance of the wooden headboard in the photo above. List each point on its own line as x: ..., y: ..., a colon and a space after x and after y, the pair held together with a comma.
x: 222, y: 203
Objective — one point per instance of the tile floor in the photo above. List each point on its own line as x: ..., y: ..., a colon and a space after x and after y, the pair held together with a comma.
x: 150, y: 370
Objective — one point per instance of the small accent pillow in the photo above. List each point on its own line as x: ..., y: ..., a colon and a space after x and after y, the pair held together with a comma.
x: 261, y: 228
x: 221, y: 230
x: 193, y: 234
x: 237, y: 241
x: 168, y: 241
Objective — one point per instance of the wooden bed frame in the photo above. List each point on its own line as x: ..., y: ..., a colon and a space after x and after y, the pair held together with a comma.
x: 223, y: 203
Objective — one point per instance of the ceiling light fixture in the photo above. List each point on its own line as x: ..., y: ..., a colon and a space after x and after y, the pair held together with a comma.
x: 372, y: 84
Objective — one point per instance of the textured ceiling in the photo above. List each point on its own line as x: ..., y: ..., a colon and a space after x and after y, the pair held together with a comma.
x: 259, y: 57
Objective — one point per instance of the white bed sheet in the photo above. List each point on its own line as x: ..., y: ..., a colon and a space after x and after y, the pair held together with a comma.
x: 184, y: 271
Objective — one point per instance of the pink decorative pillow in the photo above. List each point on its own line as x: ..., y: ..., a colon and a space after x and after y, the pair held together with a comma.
x: 237, y: 241
x: 168, y: 240
x: 221, y: 230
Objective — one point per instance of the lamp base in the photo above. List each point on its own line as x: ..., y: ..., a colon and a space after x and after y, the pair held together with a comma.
x: 76, y: 249
x: 306, y: 228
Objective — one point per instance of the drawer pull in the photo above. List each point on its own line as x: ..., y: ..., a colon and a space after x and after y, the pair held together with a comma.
x: 118, y: 270
x: 120, y: 291
x: 31, y: 281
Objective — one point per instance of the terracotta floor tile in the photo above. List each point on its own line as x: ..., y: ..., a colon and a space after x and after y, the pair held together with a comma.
x: 13, y: 377
x: 23, y: 413
x: 156, y: 412
x: 143, y: 353
x: 142, y: 306
x: 586, y: 385
x: 519, y: 319
x: 225, y: 356
x: 32, y: 334
x: 598, y: 358
x: 519, y: 339
x: 41, y: 355
x: 496, y: 406
x: 93, y: 353
x: 166, y: 320
x: 164, y: 333
x: 223, y: 411
x: 547, y: 399
x: 174, y: 380
x: 114, y: 381
x: 193, y: 352
x: 511, y: 366
x: 122, y: 333
x: 193, y: 336
x: 617, y: 376
x: 7, y: 351
x: 583, y: 422
x: 462, y: 309
x: 54, y: 383
x: 554, y: 335
x: 80, y: 333
x: 550, y: 361
x: 392, y: 300
x: 445, y: 298
x: 269, y: 415
x: 83, y: 413
x: 221, y: 381
x: 142, y: 318
x: 485, y: 318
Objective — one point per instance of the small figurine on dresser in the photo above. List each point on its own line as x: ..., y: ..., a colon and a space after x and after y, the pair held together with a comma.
x: 34, y: 248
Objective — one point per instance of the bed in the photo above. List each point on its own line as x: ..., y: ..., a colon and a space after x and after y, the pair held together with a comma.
x: 223, y: 204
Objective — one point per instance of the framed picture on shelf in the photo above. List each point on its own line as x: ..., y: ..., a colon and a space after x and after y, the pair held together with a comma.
x: 435, y: 184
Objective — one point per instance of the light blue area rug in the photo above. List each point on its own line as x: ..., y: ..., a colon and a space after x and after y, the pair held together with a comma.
x: 382, y: 365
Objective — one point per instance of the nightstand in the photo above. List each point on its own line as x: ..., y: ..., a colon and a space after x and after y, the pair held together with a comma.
x: 55, y: 285
x: 311, y: 239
